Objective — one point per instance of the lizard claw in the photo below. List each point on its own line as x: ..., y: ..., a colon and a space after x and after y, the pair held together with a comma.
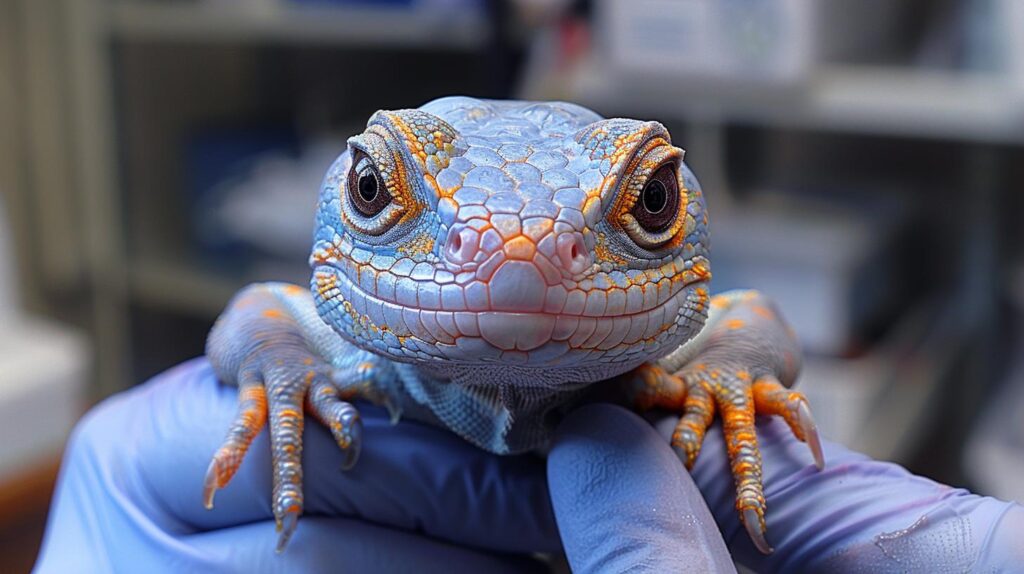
x: 341, y: 417
x: 210, y: 485
x: 772, y: 398
x: 353, y: 428
x: 251, y: 418
x: 752, y: 521
x: 286, y: 526
x: 810, y: 431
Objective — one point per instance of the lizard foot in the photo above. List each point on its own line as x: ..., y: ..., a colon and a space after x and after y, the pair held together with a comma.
x: 734, y: 368
x: 702, y: 389
x: 738, y: 399
x: 278, y: 390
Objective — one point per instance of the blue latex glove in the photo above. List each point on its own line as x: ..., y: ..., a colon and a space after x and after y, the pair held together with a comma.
x: 421, y: 500
x: 130, y: 490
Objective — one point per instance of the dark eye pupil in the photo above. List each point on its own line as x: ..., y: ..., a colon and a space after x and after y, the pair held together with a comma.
x: 657, y: 207
x: 368, y: 187
x: 654, y: 197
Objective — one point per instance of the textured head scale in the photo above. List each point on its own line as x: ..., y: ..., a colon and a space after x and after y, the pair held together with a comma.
x: 510, y: 241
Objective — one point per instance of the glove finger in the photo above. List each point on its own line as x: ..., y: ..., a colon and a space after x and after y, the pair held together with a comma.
x: 623, y: 499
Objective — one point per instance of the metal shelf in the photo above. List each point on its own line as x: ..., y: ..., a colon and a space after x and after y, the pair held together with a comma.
x: 294, y: 24
x: 888, y: 101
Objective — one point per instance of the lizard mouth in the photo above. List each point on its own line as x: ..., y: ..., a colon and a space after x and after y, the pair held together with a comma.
x: 487, y: 336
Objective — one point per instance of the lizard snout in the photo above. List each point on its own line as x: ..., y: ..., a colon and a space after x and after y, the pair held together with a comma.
x: 565, y: 250
x: 524, y: 267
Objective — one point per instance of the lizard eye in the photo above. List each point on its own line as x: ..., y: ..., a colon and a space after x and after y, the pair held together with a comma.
x: 366, y: 190
x: 653, y: 201
x: 658, y: 204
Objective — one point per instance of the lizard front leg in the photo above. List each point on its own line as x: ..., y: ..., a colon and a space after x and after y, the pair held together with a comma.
x: 739, y: 366
x: 286, y: 361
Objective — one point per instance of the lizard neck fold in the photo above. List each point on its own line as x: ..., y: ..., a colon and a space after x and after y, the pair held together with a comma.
x: 500, y: 417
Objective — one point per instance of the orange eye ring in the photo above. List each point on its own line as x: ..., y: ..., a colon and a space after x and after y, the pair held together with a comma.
x: 652, y: 199
x: 657, y: 205
x: 377, y: 194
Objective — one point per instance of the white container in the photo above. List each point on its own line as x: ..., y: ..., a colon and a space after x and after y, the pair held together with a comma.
x: 767, y: 40
x: 43, y: 370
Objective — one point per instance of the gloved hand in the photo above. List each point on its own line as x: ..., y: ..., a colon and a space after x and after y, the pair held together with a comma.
x: 421, y: 499
x: 129, y: 497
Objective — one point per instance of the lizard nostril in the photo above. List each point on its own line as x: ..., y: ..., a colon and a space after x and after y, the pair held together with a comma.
x: 462, y: 245
x: 573, y: 252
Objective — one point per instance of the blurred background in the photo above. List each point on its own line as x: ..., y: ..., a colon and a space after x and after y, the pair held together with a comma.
x: 860, y: 159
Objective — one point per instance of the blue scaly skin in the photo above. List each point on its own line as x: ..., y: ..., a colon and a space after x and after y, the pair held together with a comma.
x: 485, y: 265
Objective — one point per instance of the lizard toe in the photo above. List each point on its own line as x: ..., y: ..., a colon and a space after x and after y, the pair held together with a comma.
x: 326, y: 406
x: 772, y: 398
x: 250, y: 420
x: 698, y: 412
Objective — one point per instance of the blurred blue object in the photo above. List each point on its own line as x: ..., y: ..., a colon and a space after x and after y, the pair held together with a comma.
x: 270, y: 207
x: 218, y: 158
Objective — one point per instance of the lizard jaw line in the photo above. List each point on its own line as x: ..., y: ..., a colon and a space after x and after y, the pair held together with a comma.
x: 531, y: 339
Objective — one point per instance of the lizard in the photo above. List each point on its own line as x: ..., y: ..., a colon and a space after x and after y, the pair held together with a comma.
x: 484, y: 265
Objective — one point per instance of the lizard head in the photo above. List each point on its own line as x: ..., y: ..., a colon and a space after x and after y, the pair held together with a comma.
x: 491, y: 240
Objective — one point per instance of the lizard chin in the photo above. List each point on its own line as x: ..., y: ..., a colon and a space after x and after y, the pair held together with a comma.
x: 549, y: 348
